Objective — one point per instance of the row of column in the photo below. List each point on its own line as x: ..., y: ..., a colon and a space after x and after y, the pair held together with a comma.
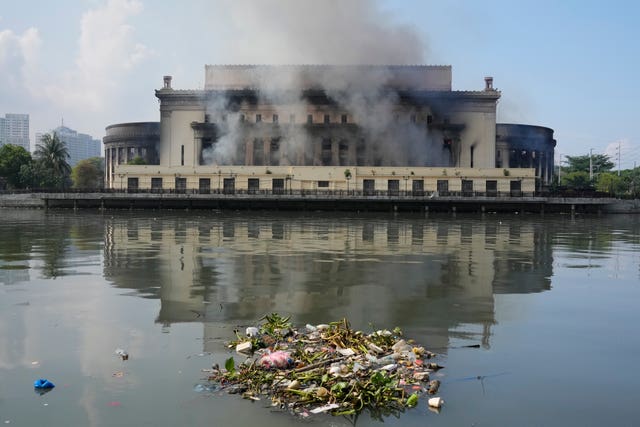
x: 323, y: 152
x: 119, y: 155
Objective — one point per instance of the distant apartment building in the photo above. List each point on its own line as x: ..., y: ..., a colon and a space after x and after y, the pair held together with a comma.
x: 80, y: 146
x: 14, y: 129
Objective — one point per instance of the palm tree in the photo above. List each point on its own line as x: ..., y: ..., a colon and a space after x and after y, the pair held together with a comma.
x: 52, y: 153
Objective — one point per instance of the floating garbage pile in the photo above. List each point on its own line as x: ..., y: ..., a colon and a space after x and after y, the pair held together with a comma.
x: 329, y: 368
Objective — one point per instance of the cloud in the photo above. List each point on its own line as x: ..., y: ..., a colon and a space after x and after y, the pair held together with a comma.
x: 18, y: 61
x: 107, y: 50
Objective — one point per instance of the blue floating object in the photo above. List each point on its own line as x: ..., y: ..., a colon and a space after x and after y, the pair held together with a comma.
x: 43, y: 383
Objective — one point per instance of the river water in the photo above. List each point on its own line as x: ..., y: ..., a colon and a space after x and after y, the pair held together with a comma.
x: 553, y: 302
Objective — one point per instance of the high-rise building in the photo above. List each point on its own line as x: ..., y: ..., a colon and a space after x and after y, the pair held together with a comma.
x: 14, y: 129
x: 80, y: 146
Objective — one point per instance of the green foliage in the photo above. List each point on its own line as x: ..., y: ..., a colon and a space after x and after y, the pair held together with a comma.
x: 12, y: 158
x: 52, y: 155
x: 36, y: 175
x: 600, y: 163
x: 631, y: 178
x: 137, y: 161
x: 611, y: 183
x: 230, y: 365
x: 88, y: 173
x: 347, y: 174
x: 412, y: 400
x: 577, y: 180
x: 274, y: 323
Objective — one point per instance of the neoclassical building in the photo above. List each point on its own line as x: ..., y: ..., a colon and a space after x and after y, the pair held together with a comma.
x: 317, y: 127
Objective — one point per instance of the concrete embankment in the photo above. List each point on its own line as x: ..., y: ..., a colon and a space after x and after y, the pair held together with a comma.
x: 326, y: 202
x: 623, y: 207
x: 30, y: 200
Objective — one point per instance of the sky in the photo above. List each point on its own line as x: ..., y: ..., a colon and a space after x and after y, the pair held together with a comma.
x: 569, y: 65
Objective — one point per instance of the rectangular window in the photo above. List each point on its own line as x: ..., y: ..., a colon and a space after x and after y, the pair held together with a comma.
x: 368, y: 187
x: 309, y: 118
x: 275, y: 118
x: 361, y: 153
x: 132, y: 184
x: 258, y: 152
x: 343, y: 153
x: 393, y: 187
x: 274, y: 152
x: 443, y: 186
x: 182, y: 155
x: 429, y: 119
x: 204, y: 185
x: 323, y: 184
x: 326, y: 155
x: 207, y: 118
x: 229, y: 185
x: 467, y: 186
x: 516, y: 187
x: 492, y: 187
x: 258, y: 118
x: 417, y: 187
x: 254, y: 185
x: 327, y: 118
x: 181, y: 185
x: 343, y: 119
x: 277, y: 185
x: 241, y: 118
x: 472, y: 149
x: 156, y: 184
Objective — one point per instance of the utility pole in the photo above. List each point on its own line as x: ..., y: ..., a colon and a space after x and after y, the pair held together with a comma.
x: 618, y: 158
x: 560, y: 170
x: 590, y: 165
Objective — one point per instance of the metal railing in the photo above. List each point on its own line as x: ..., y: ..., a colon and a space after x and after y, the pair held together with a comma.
x: 278, y: 192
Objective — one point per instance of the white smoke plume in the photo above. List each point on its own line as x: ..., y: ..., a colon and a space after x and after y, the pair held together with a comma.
x: 335, y: 32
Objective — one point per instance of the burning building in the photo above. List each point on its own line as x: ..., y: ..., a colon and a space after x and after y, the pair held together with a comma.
x: 318, y: 126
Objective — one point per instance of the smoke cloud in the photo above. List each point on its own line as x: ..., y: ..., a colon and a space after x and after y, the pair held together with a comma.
x: 335, y: 32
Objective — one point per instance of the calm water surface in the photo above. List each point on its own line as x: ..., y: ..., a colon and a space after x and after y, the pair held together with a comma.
x: 553, y: 302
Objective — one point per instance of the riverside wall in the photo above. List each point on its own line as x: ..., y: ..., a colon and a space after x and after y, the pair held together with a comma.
x: 321, y: 202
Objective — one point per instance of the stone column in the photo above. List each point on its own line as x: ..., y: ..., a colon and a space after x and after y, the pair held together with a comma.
x: 266, y: 151
x: 317, y: 151
x: 351, y: 152
x: 248, y: 152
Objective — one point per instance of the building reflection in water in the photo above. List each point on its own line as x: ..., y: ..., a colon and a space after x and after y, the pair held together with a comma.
x: 435, y: 277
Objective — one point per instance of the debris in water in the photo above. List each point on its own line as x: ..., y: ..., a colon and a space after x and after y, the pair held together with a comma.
x: 123, y: 354
x: 328, y: 368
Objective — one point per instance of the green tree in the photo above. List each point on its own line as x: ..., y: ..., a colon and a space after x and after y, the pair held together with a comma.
x: 631, y: 178
x: 611, y: 183
x: 600, y: 163
x: 52, y: 154
x: 137, y: 161
x: 88, y: 173
x: 12, y: 158
x: 576, y: 180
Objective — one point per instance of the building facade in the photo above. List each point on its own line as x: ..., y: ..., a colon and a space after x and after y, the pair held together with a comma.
x: 126, y: 141
x: 80, y: 146
x: 14, y: 129
x: 386, y: 125
x: 526, y: 146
